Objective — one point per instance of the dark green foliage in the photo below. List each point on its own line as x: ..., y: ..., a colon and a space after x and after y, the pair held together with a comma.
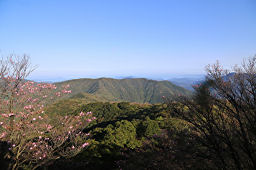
x: 116, y: 129
x: 151, y: 127
x: 122, y: 135
x: 103, y: 111
x: 124, y: 132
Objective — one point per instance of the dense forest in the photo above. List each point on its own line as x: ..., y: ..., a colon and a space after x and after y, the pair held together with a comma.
x: 119, y: 130
x: 134, y: 136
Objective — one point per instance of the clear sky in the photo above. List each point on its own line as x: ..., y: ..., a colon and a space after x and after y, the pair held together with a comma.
x: 88, y: 38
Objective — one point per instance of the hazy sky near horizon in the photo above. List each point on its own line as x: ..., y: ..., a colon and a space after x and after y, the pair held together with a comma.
x: 94, y: 38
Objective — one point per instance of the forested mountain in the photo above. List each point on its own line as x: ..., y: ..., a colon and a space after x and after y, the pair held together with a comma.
x: 138, y: 90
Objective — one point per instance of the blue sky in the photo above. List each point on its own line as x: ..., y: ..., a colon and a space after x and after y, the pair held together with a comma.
x: 143, y: 38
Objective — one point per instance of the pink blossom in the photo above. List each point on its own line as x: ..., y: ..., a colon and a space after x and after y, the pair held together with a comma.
x: 88, y: 113
x: 5, y: 115
x: 3, y: 135
x: 29, y: 105
x: 81, y: 114
x: 85, y: 144
x: 11, y: 114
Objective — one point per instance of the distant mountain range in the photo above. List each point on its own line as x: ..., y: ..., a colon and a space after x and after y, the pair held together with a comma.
x: 137, y: 90
x: 187, y: 82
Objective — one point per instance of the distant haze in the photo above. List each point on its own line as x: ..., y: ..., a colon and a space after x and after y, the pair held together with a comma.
x: 170, y: 77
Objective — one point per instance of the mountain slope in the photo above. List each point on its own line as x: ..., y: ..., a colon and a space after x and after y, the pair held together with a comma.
x: 131, y: 90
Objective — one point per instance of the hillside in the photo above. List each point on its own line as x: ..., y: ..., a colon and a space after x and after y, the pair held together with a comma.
x: 131, y: 90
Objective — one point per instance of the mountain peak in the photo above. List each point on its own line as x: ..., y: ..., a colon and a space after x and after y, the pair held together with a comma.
x: 138, y: 90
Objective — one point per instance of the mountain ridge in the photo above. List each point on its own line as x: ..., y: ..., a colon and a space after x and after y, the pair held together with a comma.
x: 140, y: 90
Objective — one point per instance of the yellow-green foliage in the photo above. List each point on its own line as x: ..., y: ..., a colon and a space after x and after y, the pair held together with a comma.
x: 122, y: 134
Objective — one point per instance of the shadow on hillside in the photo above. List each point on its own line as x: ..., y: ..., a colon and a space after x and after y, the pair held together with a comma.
x: 107, y: 161
x: 3, y: 150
